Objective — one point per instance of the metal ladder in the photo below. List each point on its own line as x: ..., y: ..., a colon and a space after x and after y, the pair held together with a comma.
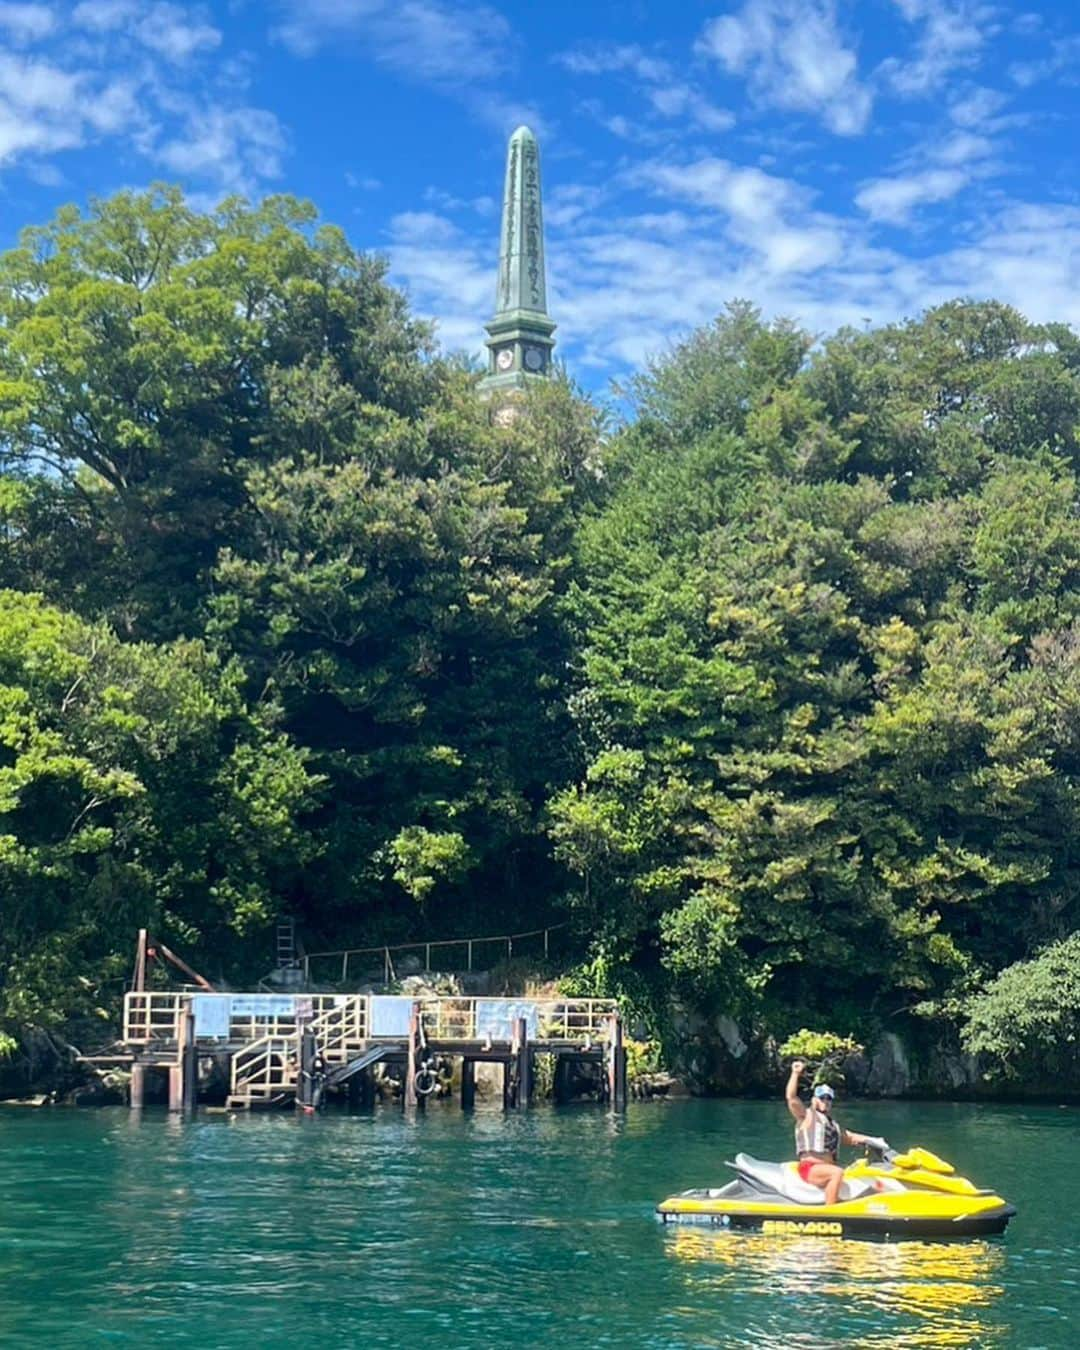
x: 286, y: 945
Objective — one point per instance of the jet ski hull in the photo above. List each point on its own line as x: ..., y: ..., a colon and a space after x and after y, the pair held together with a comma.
x: 915, y: 1196
x: 834, y: 1220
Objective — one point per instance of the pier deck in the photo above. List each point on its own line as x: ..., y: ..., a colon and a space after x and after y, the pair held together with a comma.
x: 281, y: 1047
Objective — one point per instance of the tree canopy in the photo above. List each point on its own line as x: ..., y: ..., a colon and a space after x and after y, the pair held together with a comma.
x: 826, y: 645
x: 774, y: 689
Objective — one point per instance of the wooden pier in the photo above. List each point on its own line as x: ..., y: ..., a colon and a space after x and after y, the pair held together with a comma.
x: 297, y: 1047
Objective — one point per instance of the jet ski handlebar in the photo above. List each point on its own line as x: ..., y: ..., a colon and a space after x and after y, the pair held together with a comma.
x: 877, y: 1148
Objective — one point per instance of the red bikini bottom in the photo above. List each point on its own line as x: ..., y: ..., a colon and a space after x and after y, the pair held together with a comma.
x: 805, y: 1166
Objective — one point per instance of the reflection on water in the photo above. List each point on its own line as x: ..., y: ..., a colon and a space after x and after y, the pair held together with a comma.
x: 931, y: 1293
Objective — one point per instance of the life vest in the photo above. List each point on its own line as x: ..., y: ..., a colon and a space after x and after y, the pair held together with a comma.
x: 817, y: 1133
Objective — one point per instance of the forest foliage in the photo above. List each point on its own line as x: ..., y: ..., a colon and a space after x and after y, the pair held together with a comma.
x: 773, y: 689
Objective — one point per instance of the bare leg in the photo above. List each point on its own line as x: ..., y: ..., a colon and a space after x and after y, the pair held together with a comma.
x: 828, y: 1176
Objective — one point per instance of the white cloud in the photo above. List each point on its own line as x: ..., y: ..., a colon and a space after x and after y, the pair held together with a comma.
x: 234, y: 147
x: 102, y: 16
x: 424, y: 39
x: 953, y: 35
x: 364, y: 182
x: 933, y: 172
x: 668, y: 95
x: 769, y: 218
x: 793, y: 56
x: 466, y: 51
x: 112, y: 74
x: 1064, y: 52
x: 894, y: 199
x: 115, y: 107
x: 422, y: 227
x: 744, y: 193
x: 976, y: 107
x: 681, y: 100
x: 962, y: 147
x: 26, y: 22
x: 606, y: 59
x: 32, y: 85
x: 446, y: 274
x: 175, y: 33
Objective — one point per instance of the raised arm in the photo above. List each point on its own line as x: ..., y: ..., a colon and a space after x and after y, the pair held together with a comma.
x: 794, y: 1105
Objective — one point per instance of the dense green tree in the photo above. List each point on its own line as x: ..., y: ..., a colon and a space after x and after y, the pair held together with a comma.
x: 823, y: 639
x: 778, y: 688
x: 398, y: 588
x: 137, y: 788
x: 227, y: 425
x: 141, y: 349
x: 1026, y: 1022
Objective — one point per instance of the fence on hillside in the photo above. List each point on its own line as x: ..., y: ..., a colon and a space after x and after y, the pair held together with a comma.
x: 450, y: 954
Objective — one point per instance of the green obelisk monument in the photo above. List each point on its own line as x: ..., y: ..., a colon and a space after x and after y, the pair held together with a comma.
x: 519, y: 336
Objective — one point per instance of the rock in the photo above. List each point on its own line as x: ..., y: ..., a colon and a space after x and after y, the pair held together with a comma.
x: 890, y: 1071
x: 856, y: 1072
x: 431, y: 984
x: 654, y: 1085
x: 731, y: 1037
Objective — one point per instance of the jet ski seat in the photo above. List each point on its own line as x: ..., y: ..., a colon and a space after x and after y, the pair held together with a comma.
x: 783, y: 1179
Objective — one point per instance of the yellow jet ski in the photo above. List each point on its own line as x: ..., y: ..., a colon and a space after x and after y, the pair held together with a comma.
x: 884, y: 1194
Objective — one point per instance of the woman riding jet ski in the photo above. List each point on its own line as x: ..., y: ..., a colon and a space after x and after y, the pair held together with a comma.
x: 914, y: 1194
x: 818, y: 1136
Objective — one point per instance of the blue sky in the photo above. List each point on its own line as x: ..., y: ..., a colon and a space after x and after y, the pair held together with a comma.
x: 834, y: 160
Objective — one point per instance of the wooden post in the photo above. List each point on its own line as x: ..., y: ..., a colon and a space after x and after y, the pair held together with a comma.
x: 137, y: 1086
x: 188, y: 1057
x: 138, y: 980
x: 468, y: 1084
x: 367, y: 1088
x: 562, y: 1074
x: 617, y: 1066
x: 305, y: 1081
x: 508, y: 1083
x: 408, y: 1094
x: 524, y: 1061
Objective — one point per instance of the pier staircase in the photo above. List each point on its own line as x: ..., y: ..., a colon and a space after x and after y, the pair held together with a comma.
x: 267, y: 1070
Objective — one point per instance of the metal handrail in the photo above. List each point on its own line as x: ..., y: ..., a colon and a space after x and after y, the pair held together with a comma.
x: 385, y: 949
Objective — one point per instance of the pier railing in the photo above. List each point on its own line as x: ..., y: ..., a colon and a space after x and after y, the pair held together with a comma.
x: 154, y: 1017
x: 568, y: 1020
x: 342, y: 1022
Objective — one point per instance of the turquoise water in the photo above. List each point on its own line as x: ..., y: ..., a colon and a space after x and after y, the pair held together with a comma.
x: 491, y: 1231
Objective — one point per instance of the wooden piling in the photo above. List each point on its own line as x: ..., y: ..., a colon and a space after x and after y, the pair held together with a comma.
x: 524, y: 1065
x: 188, y: 1061
x: 617, y: 1066
x: 408, y: 1092
x: 468, y: 1084
x: 305, y: 1081
x: 509, y: 1085
x: 138, y: 980
x: 561, y: 1087
x: 137, y: 1087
